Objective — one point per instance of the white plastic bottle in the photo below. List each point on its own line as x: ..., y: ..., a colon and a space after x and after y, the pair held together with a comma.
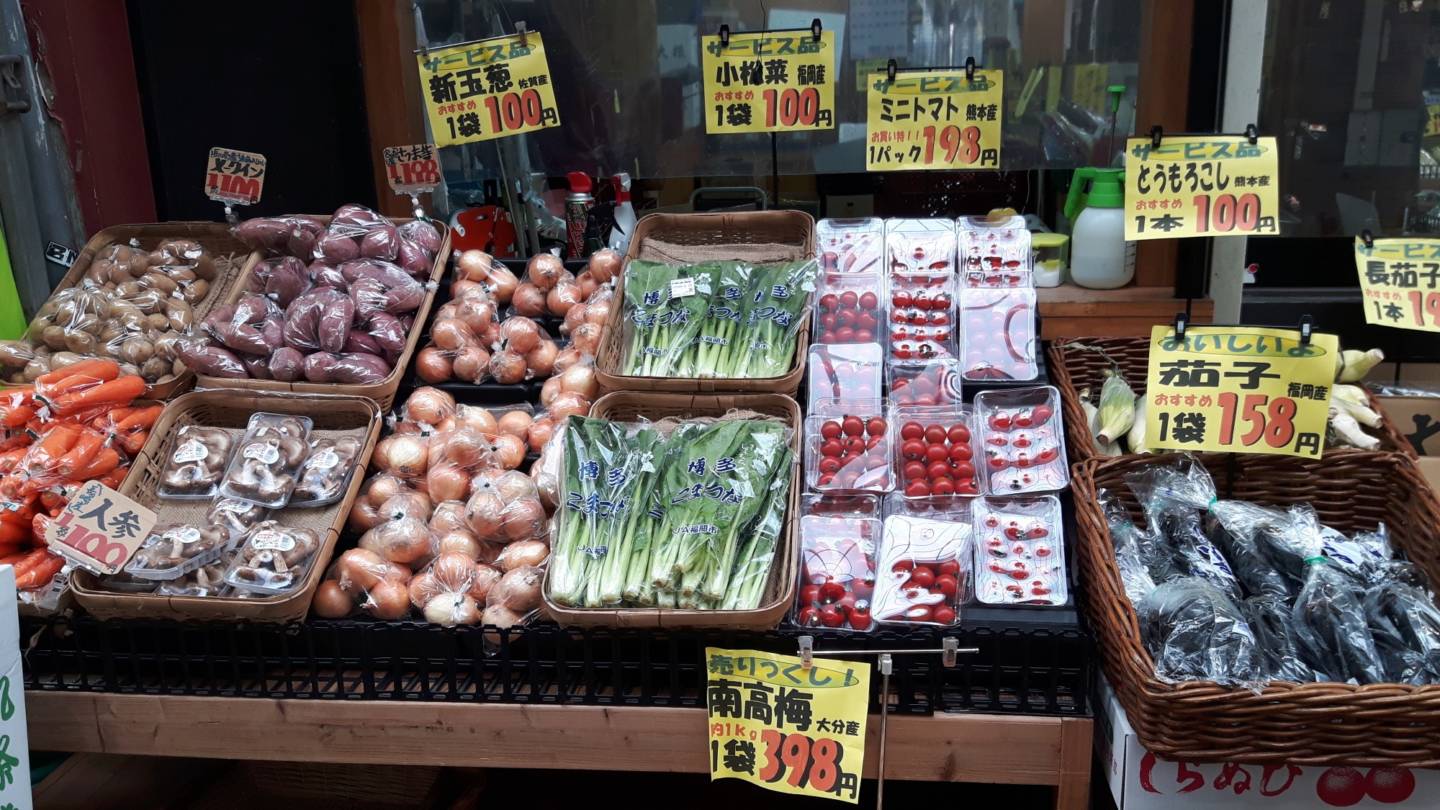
x: 1100, y: 258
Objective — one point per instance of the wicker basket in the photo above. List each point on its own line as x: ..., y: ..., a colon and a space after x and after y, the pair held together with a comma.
x: 1073, y: 369
x: 1306, y: 724
x: 382, y: 392
x: 755, y: 236
x: 332, y: 416
x: 628, y: 406
x: 214, y: 237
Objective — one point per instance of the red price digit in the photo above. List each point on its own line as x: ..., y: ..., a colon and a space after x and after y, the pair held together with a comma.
x: 774, y: 768
x: 955, y: 142
x: 1275, y: 423
x: 1424, y: 304
x: 825, y: 767
x: 96, y: 545
x: 1282, y: 422
x: 790, y: 106
x: 1227, y: 212
x: 795, y: 753
x: 515, y: 110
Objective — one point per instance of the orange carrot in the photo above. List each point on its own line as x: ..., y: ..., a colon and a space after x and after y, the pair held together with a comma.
x: 114, y: 392
x: 13, y: 534
x: 40, y: 574
x: 12, y: 557
x: 30, y: 560
x: 79, y: 457
x: 134, y: 442
x: 103, y: 462
x: 139, y: 419
x: 58, y: 440
x: 85, y: 372
x: 113, y: 478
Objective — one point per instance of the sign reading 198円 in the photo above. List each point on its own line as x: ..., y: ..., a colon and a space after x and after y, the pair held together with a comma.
x: 1237, y: 389
x: 488, y: 89
x: 769, y: 81
x: 1201, y: 185
x: 1400, y: 282
x: 934, y: 119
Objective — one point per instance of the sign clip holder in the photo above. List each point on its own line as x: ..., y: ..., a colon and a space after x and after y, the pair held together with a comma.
x: 1181, y: 321
x: 969, y: 68
x: 1251, y: 134
x: 1156, y: 133
x: 1368, y: 238
x: 230, y: 215
x: 1307, y: 328
x: 724, y: 36
x: 815, y: 29
x: 524, y: 33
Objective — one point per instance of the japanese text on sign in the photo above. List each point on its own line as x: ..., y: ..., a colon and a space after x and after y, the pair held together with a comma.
x: 934, y: 119
x: 1400, y: 282
x: 770, y: 81
x: 784, y: 727
x: 234, y: 177
x: 1235, y: 389
x: 1201, y: 185
x: 1432, y: 115
x: 412, y: 169
x: 488, y: 89
x: 100, y: 529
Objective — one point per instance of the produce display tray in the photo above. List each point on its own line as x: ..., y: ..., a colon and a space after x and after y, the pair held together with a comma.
x: 1042, y: 669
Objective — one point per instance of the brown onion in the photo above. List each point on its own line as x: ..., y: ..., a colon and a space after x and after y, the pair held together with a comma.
x: 489, y: 552
x: 485, y: 514
x: 540, y: 432
x: 541, y: 359
x: 473, y: 265
x: 432, y: 366
x: 451, y: 333
x: 476, y: 312
x: 524, y: 552
x: 459, y: 287
x: 383, y: 487
x: 331, y: 602
x: 562, y: 297
x: 406, y: 456
x: 569, y: 404
x: 410, y: 504
x: 520, y: 334
x: 449, y: 309
x: 474, y: 416
x: 448, y: 516
x: 501, y: 619
x: 423, y: 588
x: 515, y: 423
x: 518, y: 590
x: 363, y: 516
x: 586, y: 338
x: 544, y: 270
x: 449, y: 610
x: 458, y: 541
x: 524, y: 519
x: 587, y: 283
x: 509, y: 450
x: 428, y: 405
x: 446, y: 481
x: 567, y: 358
x: 580, y: 380
x: 501, y: 283
x: 360, y: 569
x: 484, y: 578
x: 471, y: 364
x: 574, y: 318
x: 388, y: 600
x: 529, y: 300
x: 597, y: 313
x: 507, y: 367
x: 490, y: 338
x: 549, y: 391
x: 510, y: 485
x: 604, y: 264
x: 466, y: 447
x: 452, y: 572
x: 402, y: 541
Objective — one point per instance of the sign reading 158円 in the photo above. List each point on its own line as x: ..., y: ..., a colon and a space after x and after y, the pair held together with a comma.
x: 488, y: 89
x: 769, y: 81
x: 1201, y: 185
x: 934, y: 119
x: 1400, y: 282
x: 784, y: 727
x: 1237, y: 389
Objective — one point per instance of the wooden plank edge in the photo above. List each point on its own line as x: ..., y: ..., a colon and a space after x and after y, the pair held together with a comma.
x: 945, y: 747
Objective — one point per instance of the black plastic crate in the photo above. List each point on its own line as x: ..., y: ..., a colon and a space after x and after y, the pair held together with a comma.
x: 1027, y: 663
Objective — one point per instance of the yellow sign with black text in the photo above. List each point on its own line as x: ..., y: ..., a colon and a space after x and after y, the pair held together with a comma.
x: 1400, y: 282
x: 934, y: 119
x: 1201, y: 185
x: 1237, y: 389
x: 769, y: 81
x: 1432, y: 120
x: 784, y: 727
x: 488, y: 89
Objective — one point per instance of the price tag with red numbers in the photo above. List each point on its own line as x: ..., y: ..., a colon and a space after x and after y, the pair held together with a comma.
x: 234, y: 177
x: 1237, y: 389
x: 1201, y: 185
x: 934, y: 119
x: 1400, y: 282
x: 488, y: 89
x: 100, y: 529
x: 785, y: 727
x: 412, y: 169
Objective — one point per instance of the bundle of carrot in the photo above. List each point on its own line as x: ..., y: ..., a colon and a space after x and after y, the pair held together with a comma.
x: 73, y: 425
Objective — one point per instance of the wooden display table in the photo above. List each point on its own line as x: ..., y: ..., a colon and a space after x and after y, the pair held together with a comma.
x: 954, y: 747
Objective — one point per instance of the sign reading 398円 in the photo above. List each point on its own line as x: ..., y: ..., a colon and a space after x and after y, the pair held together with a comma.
x: 1201, y: 185
x: 1400, y: 282
x: 769, y: 81
x: 1237, y: 389
x: 934, y: 119
x: 488, y: 89
x: 784, y: 727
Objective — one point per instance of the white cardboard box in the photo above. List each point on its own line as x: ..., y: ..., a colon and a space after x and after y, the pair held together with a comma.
x: 14, y: 738
x: 1139, y: 780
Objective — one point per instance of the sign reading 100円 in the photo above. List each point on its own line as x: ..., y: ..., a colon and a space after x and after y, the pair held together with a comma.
x: 769, y: 81
x: 488, y: 89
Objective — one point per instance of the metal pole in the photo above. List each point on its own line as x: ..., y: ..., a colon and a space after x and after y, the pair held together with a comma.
x: 886, y: 664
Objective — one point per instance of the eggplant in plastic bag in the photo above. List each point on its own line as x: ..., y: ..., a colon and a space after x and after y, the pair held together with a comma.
x: 1236, y: 528
x: 1269, y: 619
x: 1175, y: 498
x: 1330, y: 625
x: 1197, y: 633
x: 1405, y: 623
x: 1129, y: 550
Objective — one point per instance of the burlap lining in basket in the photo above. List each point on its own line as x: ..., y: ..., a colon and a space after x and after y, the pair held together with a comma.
x: 656, y: 250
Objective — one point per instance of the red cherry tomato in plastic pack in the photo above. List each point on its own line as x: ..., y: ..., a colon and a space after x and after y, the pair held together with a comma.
x: 831, y: 591
x: 937, y: 469
x: 810, y: 594
x: 869, y: 300
x: 936, y: 452
x: 852, y: 426
x: 808, y: 617
x: 830, y: 430
x: 914, y: 470
x: 942, y: 486
x: 913, y: 449
x: 943, y: 614
x: 828, y: 301
x: 921, y: 577
x: 832, y: 616
x: 902, y: 565
x: 948, y: 585
x: 958, y: 434
x: 960, y: 453
x: 911, y: 430
x: 949, y: 568
x: 875, y: 427
x: 934, y: 434
x: 849, y: 299
x: 860, y: 618
x: 917, y: 489
x: 862, y: 588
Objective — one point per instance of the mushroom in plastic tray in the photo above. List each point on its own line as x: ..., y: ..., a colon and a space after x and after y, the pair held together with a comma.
x: 267, y: 459
x: 326, y: 471
x: 197, y: 462
x: 273, y: 559
x: 234, y: 515
x: 176, y: 549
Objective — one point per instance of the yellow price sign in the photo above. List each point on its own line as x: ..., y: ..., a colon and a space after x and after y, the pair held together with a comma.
x: 1400, y: 282
x: 488, y: 89
x: 1201, y: 185
x: 934, y: 119
x: 784, y: 727
x: 1432, y: 119
x: 1237, y: 389
x: 769, y: 81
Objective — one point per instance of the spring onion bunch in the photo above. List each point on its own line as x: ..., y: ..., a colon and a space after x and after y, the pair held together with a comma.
x: 688, y: 520
x: 740, y: 320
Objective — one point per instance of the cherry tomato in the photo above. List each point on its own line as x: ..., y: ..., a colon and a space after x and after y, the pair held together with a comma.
x: 935, y: 434
x: 937, y: 469
x: 958, y: 434
x: 828, y: 301
x: 831, y: 616
x: 808, y: 617
x: 939, y: 317
x: 921, y: 577
x: 1024, y: 419
x: 830, y: 430
x: 852, y: 426
x: 1000, y: 421
x: 875, y: 427
x: 912, y: 430
x: 1041, y: 414
x: 949, y: 568
x: 873, y: 442
x: 831, y: 591
x: 862, y: 588
x: 900, y: 299
x: 831, y: 447
x: 828, y: 320
x: 902, y: 565
x: 855, y: 443
x: 902, y: 351
x: 829, y: 464
x: 844, y: 335
x: 864, y: 336
x: 936, y: 452
x: 860, y: 618
x: 846, y: 603
x: 827, y: 337
x: 942, y: 486
x: 964, y: 469
x: 810, y: 594
x: 917, y: 489
x: 913, y: 449
x: 849, y: 299
x: 869, y: 300
x: 947, y: 585
x: 966, y: 486
x: 844, y: 318
x: 943, y: 614
x: 825, y: 480
x: 940, y: 301
x: 914, y: 470
x: 960, y: 453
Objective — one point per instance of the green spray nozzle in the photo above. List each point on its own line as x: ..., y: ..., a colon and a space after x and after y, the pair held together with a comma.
x: 1117, y: 92
x: 1094, y: 188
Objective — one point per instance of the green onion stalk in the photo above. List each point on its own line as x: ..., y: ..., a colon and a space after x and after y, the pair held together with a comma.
x: 719, y: 343
x: 747, y: 586
x: 779, y: 297
x: 632, y: 480
x: 571, y: 558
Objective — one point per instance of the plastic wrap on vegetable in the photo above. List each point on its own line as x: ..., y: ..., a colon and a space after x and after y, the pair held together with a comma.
x: 1020, y: 552
x: 1238, y: 529
x: 175, y: 549
x: 197, y: 462
x: 994, y: 253
x: 850, y: 246
x: 63, y: 454
x: 922, y: 318
x: 999, y: 330
x: 357, y: 232
x: 840, y: 505
x: 931, y: 384
x: 1169, y: 494
x: 89, y: 386
x: 850, y: 371
x: 921, y: 247
x: 291, y: 236
x: 934, y: 452
x: 848, y: 447
x: 402, y: 533
x: 666, y: 307
x: 504, y: 507
x: 1269, y: 618
x: 1328, y: 612
x: 455, y: 456
x: 1197, y: 633
x: 1022, y: 439
x: 281, y: 279
x: 234, y: 516
x: 1130, y: 553
x: 207, y: 580
x: 849, y: 310
x: 923, y: 569
x: 837, y: 572
x: 1405, y: 623
x: 362, y: 580
x: 326, y: 471
x: 273, y: 558
x: 452, y: 590
x: 266, y: 459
